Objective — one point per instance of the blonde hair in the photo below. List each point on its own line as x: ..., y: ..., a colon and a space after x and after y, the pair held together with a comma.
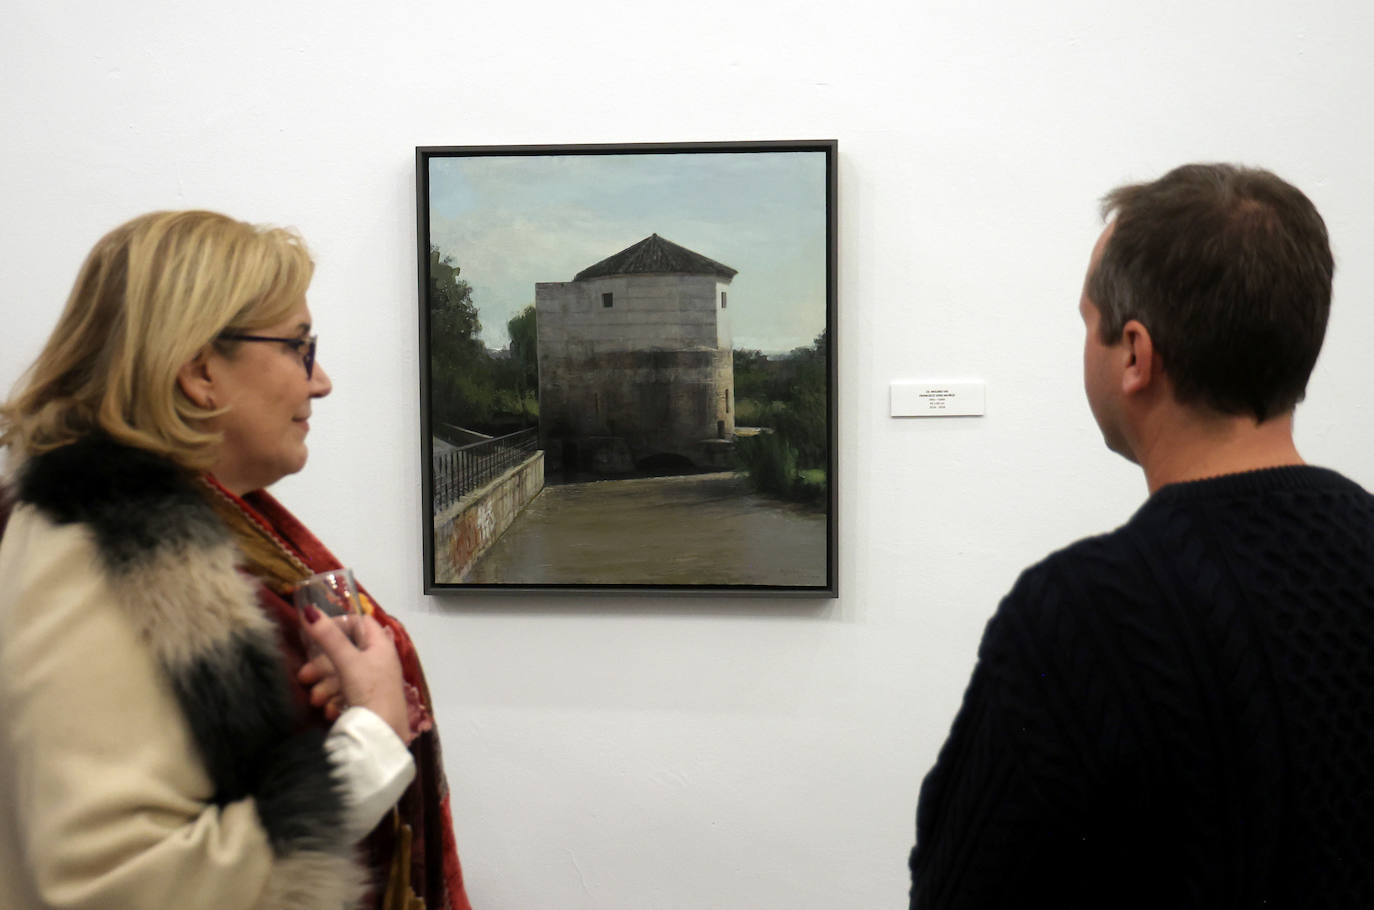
x: 151, y: 296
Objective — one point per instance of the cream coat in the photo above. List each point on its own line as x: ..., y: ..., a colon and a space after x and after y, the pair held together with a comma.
x: 133, y: 775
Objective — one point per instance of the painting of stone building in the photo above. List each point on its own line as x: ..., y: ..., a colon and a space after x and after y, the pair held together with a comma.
x: 627, y: 368
x: 636, y: 362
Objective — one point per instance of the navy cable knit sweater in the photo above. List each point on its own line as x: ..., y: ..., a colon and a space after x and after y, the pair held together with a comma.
x: 1176, y: 714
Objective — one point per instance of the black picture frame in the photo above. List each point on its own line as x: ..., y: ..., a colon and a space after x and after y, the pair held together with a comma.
x: 600, y: 450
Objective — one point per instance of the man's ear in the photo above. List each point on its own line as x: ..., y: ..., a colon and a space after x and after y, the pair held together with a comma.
x: 196, y: 382
x: 1143, y: 366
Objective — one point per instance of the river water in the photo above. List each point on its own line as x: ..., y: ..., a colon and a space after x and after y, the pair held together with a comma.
x: 701, y: 529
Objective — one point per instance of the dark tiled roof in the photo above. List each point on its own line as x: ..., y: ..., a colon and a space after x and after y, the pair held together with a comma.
x: 654, y: 255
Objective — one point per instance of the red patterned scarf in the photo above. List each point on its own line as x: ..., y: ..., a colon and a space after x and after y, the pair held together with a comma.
x: 281, y: 551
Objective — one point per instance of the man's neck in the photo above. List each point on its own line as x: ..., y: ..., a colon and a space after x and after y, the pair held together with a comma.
x: 1187, y: 446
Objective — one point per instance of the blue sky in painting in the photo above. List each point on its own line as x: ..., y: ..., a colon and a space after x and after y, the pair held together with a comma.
x: 511, y: 221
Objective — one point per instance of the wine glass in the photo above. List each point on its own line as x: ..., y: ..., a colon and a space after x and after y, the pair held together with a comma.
x: 333, y: 593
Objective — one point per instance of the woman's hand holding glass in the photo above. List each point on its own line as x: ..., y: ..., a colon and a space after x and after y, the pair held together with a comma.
x: 366, y: 674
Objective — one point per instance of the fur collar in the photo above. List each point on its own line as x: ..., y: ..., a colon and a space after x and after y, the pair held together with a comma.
x: 173, y: 566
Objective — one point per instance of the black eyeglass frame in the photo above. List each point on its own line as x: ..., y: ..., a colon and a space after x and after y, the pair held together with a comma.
x: 309, y: 342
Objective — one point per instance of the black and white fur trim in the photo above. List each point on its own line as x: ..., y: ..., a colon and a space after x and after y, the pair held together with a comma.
x: 173, y: 566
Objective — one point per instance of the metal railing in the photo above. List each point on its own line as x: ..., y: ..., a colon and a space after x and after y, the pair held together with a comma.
x: 459, y: 472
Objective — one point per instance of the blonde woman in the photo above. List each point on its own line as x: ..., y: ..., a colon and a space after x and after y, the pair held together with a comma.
x: 166, y: 741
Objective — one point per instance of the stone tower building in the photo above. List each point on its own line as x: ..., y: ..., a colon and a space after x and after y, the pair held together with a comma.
x: 636, y: 362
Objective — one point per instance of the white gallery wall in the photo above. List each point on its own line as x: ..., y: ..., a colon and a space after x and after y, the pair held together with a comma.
x: 648, y: 752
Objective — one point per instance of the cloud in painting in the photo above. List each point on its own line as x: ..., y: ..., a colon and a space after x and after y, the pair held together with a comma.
x: 509, y: 221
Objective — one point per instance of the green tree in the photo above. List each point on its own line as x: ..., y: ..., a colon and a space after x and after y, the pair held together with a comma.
x: 454, y: 326
x: 805, y: 422
x: 789, y: 396
x: 524, y: 346
x: 461, y: 387
x: 752, y: 370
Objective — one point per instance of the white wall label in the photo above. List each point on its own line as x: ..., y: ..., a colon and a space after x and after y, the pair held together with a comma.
x: 964, y: 398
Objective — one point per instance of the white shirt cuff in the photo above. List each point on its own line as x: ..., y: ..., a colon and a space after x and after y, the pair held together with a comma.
x: 372, y: 764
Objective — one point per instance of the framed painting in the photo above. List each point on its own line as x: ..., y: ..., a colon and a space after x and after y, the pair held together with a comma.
x: 627, y: 367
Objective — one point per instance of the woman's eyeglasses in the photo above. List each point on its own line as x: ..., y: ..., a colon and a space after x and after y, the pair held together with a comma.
x: 305, y: 347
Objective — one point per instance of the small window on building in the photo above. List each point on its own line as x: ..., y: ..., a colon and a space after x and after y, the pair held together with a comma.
x: 606, y: 300
x: 722, y: 300
x: 727, y: 400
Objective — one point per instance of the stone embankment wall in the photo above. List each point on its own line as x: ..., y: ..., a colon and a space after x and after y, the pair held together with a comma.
x: 468, y: 528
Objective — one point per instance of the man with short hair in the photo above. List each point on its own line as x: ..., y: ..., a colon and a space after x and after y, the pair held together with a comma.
x: 1180, y: 713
